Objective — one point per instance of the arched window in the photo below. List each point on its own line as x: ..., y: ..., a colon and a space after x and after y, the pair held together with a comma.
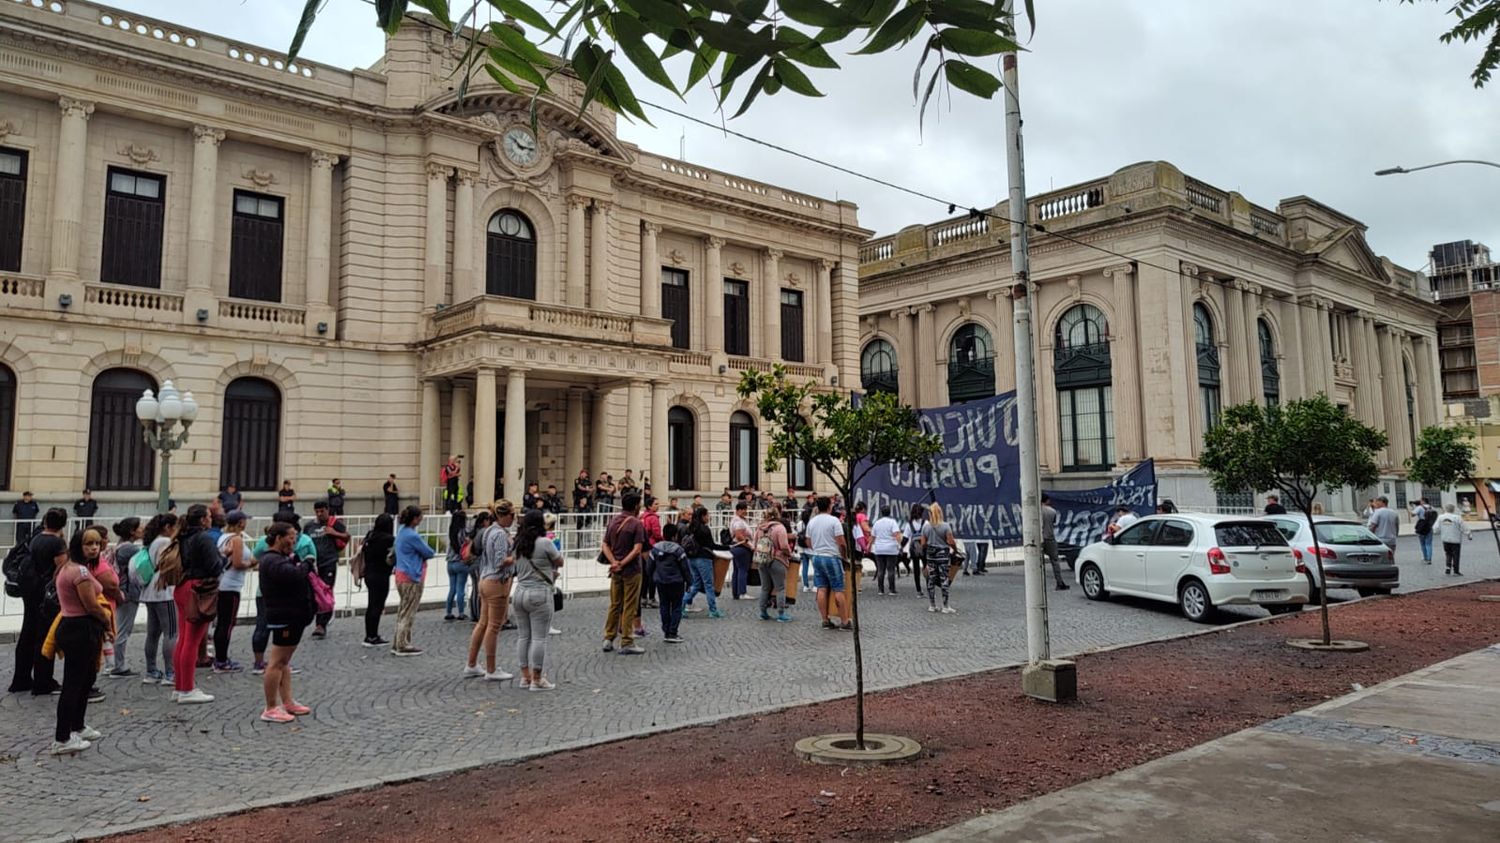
x: 744, y: 450
x: 1270, y: 372
x: 510, y: 256
x: 682, y: 455
x: 798, y: 473
x: 1208, y: 366
x: 1081, y: 367
x: 7, y: 422
x: 118, y: 457
x: 249, y: 453
x: 971, y: 364
x: 877, y: 367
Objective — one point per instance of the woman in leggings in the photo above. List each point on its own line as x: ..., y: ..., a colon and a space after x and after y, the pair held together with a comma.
x: 161, y: 611
x: 377, y: 578
x: 536, y: 566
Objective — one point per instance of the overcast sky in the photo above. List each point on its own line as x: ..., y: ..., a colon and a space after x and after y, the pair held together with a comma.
x: 1273, y: 99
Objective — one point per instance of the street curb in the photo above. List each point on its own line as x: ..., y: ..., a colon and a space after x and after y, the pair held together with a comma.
x: 428, y: 773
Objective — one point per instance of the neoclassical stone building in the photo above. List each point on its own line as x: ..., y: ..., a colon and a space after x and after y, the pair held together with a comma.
x: 1160, y: 300
x: 357, y: 272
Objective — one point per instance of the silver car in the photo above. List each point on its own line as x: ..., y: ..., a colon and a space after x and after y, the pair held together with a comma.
x: 1353, y: 557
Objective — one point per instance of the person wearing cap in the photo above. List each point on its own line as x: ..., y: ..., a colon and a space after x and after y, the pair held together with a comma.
x: 238, y: 559
x: 495, y: 568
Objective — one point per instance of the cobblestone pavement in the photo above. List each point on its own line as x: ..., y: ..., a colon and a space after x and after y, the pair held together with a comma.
x: 377, y: 718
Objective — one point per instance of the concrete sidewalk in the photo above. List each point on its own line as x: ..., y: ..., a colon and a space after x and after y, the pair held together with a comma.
x: 1415, y: 758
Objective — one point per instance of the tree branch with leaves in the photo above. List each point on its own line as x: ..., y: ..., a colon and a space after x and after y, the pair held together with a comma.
x: 1444, y: 458
x: 843, y: 439
x: 1478, y: 22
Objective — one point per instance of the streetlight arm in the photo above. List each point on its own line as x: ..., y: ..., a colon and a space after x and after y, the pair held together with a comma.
x: 1393, y: 171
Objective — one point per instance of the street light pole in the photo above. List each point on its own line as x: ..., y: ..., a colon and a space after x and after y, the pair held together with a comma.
x: 1042, y: 677
x: 1398, y: 171
x: 159, y: 416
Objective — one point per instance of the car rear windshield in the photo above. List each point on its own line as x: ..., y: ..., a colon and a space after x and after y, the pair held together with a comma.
x: 1345, y: 534
x: 1248, y: 534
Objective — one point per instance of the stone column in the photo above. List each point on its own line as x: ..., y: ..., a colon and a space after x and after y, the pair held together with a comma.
x: 461, y: 419
x: 67, y: 187
x: 925, y: 357
x: 599, y: 433
x: 1429, y: 376
x: 482, y: 459
x: 1005, y: 339
x: 1393, y: 393
x: 1377, y: 379
x: 1325, y: 340
x: 435, y: 263
x: 1252, y: 340
x: 201, y: 202
x: 1239, y: 345
x: 574, y: 417
x: 515, y: 433
x: 1125, y: 367
x: 1311, y: 362
x: 906, y: 357
x: 599, y: 257
x: 466, y: 285
x: 430, y: 448
x: 713, y: 296
x: 319, y: 224
x: 825, y: 307
x: 636, y: 433
x: 661, y: 407
x: 575, y: 284
x: 650, y: 271
x: 1365, y: 389
x: 814, y: 315
x: 771, y: 324
x: 1293, y: 381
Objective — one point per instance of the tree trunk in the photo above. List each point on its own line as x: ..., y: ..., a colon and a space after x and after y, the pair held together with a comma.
x: 1317, y: 550
x: 1479, y: 496
x: 859, y: 657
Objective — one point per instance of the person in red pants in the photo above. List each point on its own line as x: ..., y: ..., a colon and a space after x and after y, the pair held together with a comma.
x: 200, y: 569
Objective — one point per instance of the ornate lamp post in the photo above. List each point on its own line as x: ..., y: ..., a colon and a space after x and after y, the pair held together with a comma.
x: 159, y: 416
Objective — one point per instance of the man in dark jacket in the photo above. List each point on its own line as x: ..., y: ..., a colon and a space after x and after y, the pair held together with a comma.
x: 669, y: 566
x: 329, y: 537
x: 34, y: 672
x: 85, y: 508
x: 25, y: 510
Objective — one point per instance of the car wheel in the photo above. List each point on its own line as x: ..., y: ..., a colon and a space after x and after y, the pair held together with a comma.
x: 1312, y: 592
x: 1092, y: 580
x: 1196, y: 605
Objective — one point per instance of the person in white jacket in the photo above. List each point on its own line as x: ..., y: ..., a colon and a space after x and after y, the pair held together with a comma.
x: 1451, y: 531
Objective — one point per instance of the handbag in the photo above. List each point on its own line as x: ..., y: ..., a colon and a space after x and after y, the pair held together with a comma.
x: 557, y: 595
x: 322, y: 593
x: 204, y: 606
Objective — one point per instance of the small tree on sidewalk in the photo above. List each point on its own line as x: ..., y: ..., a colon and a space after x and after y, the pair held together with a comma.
x: 1299, y: 449
x: 844, y: 440
x: 1444, y: 458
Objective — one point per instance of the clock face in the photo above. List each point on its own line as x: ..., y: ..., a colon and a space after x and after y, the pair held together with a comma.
x: 520, y: 146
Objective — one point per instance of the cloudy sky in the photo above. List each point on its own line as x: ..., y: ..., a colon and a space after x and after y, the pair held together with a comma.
x: 1273, y: 99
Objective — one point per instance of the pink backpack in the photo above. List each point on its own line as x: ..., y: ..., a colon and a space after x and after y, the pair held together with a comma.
x: 322, y: 593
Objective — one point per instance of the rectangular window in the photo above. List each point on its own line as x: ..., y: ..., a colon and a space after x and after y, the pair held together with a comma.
x: 736, y: 317
x: 676, y: 304
x: 791, y: 327
x: 255, y: 247
x: 12, y: 207
x: 134, y: 208
x: 1086, y: 419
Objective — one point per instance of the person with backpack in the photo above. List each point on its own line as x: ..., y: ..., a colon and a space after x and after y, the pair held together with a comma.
x: 35, y: 574
x: 128, y: 532
x: 698, y: 543
x: 495, y: 566
x: 1423, y: 516
x: 198, y: 576
x: 238, y: 559
x: 287, y: 592
x: 772, y: 556
x: 156, y: 596
x: 911, y: 534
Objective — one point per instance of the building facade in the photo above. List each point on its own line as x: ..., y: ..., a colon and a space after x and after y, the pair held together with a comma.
x: 1466, y: 281
x: 1159, y: 301
x: 359, y: 272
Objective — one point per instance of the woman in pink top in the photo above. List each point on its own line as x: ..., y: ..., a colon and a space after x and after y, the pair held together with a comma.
x: 80, y: 634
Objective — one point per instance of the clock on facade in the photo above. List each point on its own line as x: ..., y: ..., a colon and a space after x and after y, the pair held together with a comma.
x: 520, y: 146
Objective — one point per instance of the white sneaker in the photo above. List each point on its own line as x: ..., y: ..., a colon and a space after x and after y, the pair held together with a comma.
x: 499, y: 676
x: 931, y: 608
x: 89, y: 733
x: 194, y: 697
x: 72, y: 745
x: 554, y: 631
x: 471, y: 672
x: 949, y: 610
x: 542, y: 685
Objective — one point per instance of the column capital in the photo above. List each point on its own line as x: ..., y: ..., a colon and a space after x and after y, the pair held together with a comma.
x: 323, y: 160
x: 465, y: 178
x: 651, y: 228
x: 1127, y: 269
x: 207, y: 134
x: 922, y: 308
x: 602, y: 206
x: 774, y: 253
x: 640, y: 382
x: 714, y: 243
x: 578, y: 202
x: 1190, y: 269
x: 516, y: 370
x: 825, y: 265
x: 898, y: 313
x: 438, y: 172
x: 1248, y: 288
x: 75, y: 107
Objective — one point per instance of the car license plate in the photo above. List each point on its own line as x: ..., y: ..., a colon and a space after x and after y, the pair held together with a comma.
x: 1266, y: 595
x: 1365, y: 558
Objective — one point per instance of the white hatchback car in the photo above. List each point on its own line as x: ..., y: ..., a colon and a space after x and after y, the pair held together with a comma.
x: 1198, y: 562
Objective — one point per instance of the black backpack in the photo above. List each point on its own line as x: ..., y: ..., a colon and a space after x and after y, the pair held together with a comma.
x: 17, y: 568
x: 1429, y: 517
